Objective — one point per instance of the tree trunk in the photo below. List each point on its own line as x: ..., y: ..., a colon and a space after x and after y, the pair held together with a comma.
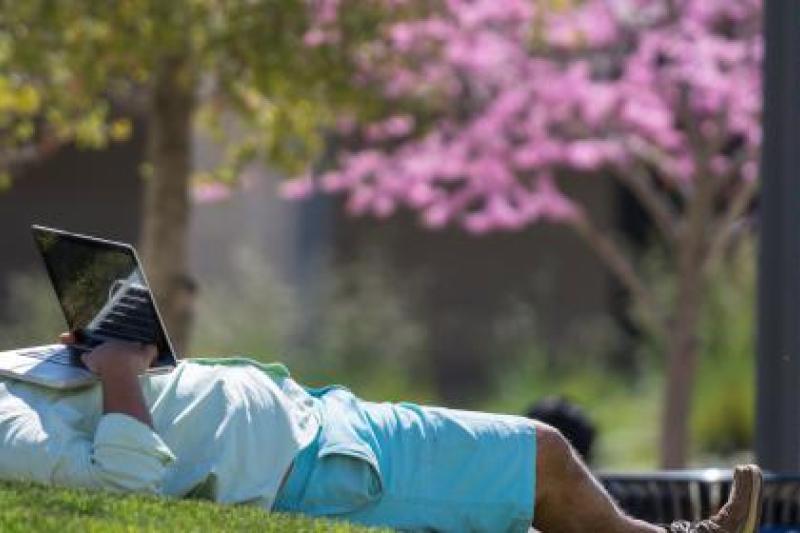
x: 680, y: 328
x: 682, y: 331
x: 166, y: 210
x: 682, y: 358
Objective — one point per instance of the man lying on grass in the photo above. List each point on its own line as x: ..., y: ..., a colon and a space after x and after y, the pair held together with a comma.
x: 235, y: 431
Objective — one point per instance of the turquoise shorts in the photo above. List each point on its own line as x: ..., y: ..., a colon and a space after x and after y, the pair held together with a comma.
x: 414, y: 468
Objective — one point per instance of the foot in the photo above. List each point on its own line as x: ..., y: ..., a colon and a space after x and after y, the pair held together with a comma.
x: 740, y: 514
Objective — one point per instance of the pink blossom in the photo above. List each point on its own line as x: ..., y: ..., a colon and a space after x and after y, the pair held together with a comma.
x: 478, y: 223
x: 436, y: 216
x: 750, y: 171
x: 585, y: 155
x: 593, y: 24
x: 608, y: 86
x: 402, y: 36
x: 297, y: 188
x: 598, y: 104
x: 720, y: 165
x: 383, y: 206
x: 396, y: 126
x: 332, y: 181
x: 359, y: 201
x: 420, y: 194
x: 555, y: 207
x: 315, y: 37
x: 210, y: 192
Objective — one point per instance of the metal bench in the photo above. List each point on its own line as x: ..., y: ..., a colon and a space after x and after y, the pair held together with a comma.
x: 661, y: 497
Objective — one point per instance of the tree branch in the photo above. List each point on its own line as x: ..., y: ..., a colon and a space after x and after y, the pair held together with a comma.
x: 616, y: 261
x: 696, y: 242
x: 653, y: 155
x: 725, y: 228
x: 660, y: 210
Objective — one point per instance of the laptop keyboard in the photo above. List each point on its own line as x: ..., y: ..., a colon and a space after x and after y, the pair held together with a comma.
x: 132, y: 318
x: 59, y: 355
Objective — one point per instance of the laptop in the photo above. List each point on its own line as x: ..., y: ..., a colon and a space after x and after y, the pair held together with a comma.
x: 104, y: 295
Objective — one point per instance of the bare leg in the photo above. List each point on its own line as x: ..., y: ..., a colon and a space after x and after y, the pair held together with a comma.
x: 568, y: 498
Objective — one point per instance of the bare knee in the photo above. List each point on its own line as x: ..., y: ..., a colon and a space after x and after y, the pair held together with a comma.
x: 568, y: 498
x: 557, y: 463
x: 552, y: 448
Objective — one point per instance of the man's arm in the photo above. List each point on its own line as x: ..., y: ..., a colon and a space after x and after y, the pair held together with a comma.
x: 118, y: 366
x: 125, y: 454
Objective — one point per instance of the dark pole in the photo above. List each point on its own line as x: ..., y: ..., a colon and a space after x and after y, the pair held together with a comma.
x: 778, y: 409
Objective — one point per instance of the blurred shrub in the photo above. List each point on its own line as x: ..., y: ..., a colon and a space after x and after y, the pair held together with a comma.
x: 360, y: 331
x: 370, y: 334
x: 584, y: 368
x: 627, y: 407
x: 250, y: 313
x: 624, y: 410
x: 724, y: 402
x: 31, y: 315
x: 724, y: 394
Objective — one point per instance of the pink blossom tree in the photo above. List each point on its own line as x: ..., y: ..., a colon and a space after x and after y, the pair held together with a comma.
x: 495, y: 103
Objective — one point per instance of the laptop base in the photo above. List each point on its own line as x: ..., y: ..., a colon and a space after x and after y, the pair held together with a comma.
x: 44, y: 372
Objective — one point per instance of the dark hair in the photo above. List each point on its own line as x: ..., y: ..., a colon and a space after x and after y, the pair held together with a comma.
x: 569, y: 419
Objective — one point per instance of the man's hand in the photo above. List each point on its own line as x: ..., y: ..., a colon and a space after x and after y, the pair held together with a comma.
x: 120, y: 357
x: 116, y: 356
x: 118, y: 365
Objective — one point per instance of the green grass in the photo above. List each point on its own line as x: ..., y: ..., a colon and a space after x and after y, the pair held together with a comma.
x: 27, y: 507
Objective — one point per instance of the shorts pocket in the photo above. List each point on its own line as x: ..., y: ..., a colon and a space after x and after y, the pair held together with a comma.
x: 345, y: 476
x: 339, y: 484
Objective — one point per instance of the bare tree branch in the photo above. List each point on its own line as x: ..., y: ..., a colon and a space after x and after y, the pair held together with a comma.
x: 614, y: 258
x: 735, y: 172
x: 652, y: 200
x: 725, y: 228
x: 653, y: 155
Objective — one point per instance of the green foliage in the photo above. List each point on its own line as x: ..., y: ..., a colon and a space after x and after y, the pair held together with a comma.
x: 724, y: 397
x: 627, y: 408
x: 624, y: 410
x: 368, y: 331
x: 31, y: 315
x: 723, y: 418
x: 28, y: 507
x: 360, y: 331
x: 252, y: 313
x: 64, y: 66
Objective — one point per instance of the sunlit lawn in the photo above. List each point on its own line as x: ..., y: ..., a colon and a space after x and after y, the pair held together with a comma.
x: 26, y: 507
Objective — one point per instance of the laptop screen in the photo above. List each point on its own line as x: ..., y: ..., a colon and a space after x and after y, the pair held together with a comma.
x: 102, y: 290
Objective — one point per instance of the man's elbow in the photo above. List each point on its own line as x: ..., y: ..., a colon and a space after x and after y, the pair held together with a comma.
x: 126, y: 480
x: 121, y: 470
